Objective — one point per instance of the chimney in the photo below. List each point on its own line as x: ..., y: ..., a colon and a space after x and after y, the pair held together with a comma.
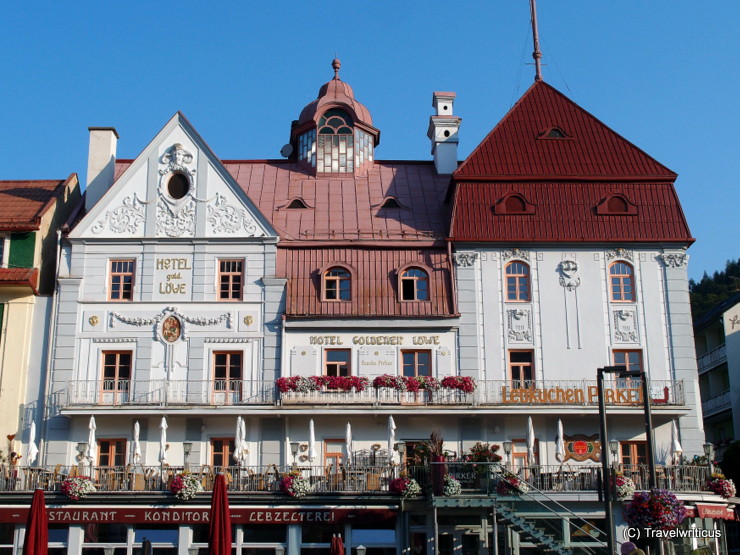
x: 101, y: 161
x: 443, y: 132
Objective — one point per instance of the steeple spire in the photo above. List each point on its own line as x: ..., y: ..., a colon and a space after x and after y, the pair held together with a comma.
x: 537, y: 54
x: 336, y: 64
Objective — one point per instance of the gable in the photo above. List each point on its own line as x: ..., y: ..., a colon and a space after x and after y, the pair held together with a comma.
x: 548, y: 136
x: 176, y: 188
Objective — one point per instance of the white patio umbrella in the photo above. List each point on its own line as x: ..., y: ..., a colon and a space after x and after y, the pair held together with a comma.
x: 137, y: 446
x: 391, y: 434
x: 530, y: 442
x: 676, y: 448
x: 92, y: 443
x: 560, y: 443
x: 240, y: 442
x: 311, y: 442
x: 163, y: 441
x: 348, y: 442
x: 33, y: 450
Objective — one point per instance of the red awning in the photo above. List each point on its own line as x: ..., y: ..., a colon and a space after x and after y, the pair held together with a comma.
x: 714, y: 511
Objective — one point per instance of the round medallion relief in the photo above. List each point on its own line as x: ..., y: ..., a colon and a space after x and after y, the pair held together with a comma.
x: 171, y: 329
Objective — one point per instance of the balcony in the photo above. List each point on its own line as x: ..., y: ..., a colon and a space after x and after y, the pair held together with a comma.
x: 489, y: 393
x: 716, y: 404
x: 713, y: 358
x: 369, y: 480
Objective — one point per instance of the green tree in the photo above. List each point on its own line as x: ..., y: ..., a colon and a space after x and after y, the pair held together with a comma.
x: 710, y: 291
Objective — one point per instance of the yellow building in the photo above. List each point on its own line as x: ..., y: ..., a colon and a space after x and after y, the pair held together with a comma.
x: 31, y: 213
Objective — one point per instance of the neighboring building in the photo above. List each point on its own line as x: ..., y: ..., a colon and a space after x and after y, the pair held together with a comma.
x: 717, y: 336
x: 31, y: 215
x: 299, y: 294
x: 570, y: 248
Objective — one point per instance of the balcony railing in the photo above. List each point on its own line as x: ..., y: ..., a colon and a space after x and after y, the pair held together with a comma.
x: 161, y: 393
x: 260, y: 480
x: 713, y: 358
x: 716, y: 404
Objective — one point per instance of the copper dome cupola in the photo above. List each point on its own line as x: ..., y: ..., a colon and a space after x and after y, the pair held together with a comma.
x: 335, y: 133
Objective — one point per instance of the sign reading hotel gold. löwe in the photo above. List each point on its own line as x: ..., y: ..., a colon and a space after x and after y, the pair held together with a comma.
x: 570, y: 395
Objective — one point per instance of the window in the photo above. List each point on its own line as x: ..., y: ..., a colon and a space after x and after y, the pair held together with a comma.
x: 622, y: 284
x: 4, y: 250
x: 337, y: 362
x: 417, y: 363
x: 336, y: 142
x: 633, y: 452
x: 116, y: 377
x: 121, y: 280
x: 517, y: 282
x: 221, y: 451
x: 230, y: 280
x: 111, y: 452
x: 631, y: 359
x: 333, y: 454
x: 414, y: 285
x: 337, y: 285
x: 519, y: 455
x: 178, y: 186
x: 521, y: 369
x: 227, y: 377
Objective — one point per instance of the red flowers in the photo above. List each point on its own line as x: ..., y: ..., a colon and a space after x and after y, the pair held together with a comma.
x: 417, y: 383
x: 314, y: 383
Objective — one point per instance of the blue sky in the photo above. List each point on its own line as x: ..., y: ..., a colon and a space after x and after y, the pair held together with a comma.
x: 659, y: 72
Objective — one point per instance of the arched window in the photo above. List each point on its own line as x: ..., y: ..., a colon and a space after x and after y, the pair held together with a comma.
x: 336, y: 142
x: 517, y: 282
x: 414, y: 285
x: 621, y: 282
x: 337, y: 285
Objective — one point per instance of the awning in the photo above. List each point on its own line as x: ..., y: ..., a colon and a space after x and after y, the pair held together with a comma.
x: 703, y: 510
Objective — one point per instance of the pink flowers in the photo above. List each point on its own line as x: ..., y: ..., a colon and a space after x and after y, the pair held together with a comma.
x: 720, y: 485
x: 658, y: 509
x: 314, y: 383
x: 417, y: 383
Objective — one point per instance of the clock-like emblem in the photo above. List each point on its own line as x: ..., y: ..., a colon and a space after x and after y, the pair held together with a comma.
x: 171, y: 329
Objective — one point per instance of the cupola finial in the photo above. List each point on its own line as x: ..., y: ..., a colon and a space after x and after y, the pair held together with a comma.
x: 336, y: 64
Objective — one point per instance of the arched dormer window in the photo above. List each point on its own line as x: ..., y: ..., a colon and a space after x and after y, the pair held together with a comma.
x: 413, y: 284
x: 513, y: 203
x: 621, y: 282
x: 616, y: 204
x: 336, y: 284
x: 517, y: 281
x: 336, y: 142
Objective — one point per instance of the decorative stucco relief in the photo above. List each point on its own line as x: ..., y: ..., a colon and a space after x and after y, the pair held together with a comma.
x: 175, y: 159
x: 515, y: 253
x: 232, y: 340
x: 519, y: 325
x: 125, y: 219
x: 619, y: 253
x: 674, y: 260
x: 569, y: 276
x: 465, y: 259
x: 625, y: 326
x: 226, y: 218
x: 175, y: 222
x: 170, y: 311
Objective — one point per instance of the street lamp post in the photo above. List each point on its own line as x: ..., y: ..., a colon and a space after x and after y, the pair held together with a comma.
x: 605, y: 474
x: 507, y: 451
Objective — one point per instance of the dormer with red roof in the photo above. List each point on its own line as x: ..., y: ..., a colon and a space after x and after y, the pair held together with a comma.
x: 335, y: 133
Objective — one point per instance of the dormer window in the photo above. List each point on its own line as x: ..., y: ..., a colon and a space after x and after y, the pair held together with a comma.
x: 336, y: 143
x: 337, y: 284
x: 513, y: 203
x: 296, y: 204
x: 553, y: 133
x: 616, y: 204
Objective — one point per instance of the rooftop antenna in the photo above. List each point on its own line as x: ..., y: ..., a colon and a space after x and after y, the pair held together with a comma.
x: 537, y: 54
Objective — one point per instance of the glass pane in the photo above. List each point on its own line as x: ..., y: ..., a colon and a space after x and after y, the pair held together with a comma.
x: 156, y: 534
x: 105, y: 533
x: 265, y: 533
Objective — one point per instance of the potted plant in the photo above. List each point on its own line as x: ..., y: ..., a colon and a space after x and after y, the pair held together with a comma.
x: 404, y: 486
x: 185, y: 486
x: 437, y: 454
x: 451, y: 486
x: 720, y: 485
x: 624, y: 485
x: 77, y: 487
x: 658, y: 509
x: 295, y: 485
x: 482, y: 455
x: 510, y: 484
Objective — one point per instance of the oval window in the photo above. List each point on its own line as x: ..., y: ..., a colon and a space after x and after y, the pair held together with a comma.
x: 178, y: 186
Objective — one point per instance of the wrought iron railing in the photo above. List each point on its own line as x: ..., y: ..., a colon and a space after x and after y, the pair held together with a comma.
x: 712, y: 358
x: 159, y: 393
x: 474, y: 479
x: 717, y: 403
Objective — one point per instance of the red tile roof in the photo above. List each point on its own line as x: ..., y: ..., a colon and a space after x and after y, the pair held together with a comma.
x: 518, y: 147
x: 374, y: 281
x: 567, y: 212
x: 20, y: 276
x: 23, y: 203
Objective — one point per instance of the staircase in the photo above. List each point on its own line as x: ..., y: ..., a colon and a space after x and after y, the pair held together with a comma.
x: 528, y: 530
